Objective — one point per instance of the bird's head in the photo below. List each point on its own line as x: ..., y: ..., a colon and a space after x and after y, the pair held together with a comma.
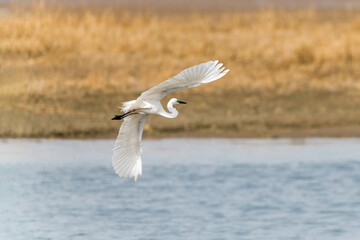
x: 175, y: 101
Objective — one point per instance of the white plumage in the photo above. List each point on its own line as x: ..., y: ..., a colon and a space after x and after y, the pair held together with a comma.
x: 126, y: 158
x: 127, y: 151
x: 190, y: 77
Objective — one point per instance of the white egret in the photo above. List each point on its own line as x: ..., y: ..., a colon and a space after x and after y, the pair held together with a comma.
x: 126, y: 158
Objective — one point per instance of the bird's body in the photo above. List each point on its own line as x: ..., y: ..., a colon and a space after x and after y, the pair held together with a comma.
x: 127, y: 151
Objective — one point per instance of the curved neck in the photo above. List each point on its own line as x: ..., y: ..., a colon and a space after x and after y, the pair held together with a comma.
x: 173, y: 112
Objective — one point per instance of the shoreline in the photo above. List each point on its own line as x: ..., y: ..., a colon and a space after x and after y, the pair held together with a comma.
x: 329, y: 132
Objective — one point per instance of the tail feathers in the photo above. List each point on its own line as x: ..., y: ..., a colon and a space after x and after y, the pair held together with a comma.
x: 126, y: 105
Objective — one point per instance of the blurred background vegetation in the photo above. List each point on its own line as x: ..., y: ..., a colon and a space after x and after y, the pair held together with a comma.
x: 65, y: 70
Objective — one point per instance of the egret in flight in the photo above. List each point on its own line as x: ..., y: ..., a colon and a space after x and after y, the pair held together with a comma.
x: 126, y: 158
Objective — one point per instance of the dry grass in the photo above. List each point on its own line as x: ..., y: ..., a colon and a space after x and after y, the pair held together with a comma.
x: 62, y: 73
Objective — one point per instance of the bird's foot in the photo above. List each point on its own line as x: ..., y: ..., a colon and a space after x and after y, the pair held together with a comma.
x: 119, y: 117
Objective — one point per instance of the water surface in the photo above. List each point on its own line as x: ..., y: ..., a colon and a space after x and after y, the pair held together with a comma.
x: 191, y: 189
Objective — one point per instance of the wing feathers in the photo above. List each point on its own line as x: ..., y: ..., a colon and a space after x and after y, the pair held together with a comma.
x: 190, y: 77
x: 127, y: 150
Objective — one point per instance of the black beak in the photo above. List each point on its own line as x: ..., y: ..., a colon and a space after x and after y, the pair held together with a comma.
x: 181, y: 102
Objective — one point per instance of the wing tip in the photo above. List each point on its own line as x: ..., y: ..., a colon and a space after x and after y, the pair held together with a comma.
x: 125, y: 170
x: 128, y: 175
x: 216, y: 71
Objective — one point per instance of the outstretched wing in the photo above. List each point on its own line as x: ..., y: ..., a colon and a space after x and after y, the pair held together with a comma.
x: 126, y: 158
x: 190, y: 77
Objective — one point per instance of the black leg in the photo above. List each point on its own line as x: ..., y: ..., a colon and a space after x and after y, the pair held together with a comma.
x: 119, y: 117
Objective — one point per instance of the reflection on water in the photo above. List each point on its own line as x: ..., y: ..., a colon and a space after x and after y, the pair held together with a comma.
x: 191, y: 189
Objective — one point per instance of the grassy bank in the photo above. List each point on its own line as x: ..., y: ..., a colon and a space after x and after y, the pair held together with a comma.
x: 63, y: 73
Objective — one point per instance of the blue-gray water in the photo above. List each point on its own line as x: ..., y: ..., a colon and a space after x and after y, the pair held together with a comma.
x: 191, y: 189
